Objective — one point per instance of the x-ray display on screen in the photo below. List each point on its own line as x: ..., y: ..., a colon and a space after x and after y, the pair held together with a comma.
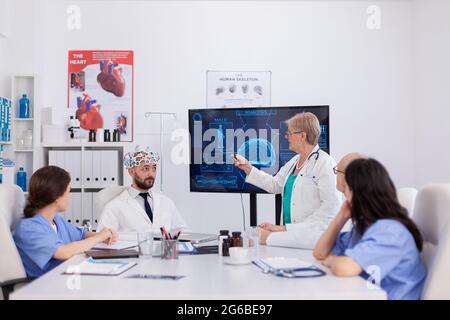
x: 258, y: 134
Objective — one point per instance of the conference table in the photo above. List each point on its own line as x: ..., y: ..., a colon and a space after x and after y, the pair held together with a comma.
x: 206, y: 276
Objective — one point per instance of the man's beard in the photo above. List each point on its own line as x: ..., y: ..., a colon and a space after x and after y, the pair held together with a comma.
x: 144, y: 184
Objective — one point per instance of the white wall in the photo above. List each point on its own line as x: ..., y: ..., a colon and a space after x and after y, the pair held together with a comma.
x: 3, y: 77
x: 318, y: 52
x: 18, y: 49
x: 4, y: 32
x: 432, y: 91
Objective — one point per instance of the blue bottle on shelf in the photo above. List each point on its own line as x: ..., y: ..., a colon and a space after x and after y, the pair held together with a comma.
x: 24, y: 107
x: 22, y: 179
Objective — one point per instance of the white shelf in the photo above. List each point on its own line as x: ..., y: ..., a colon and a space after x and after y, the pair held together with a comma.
x: 23, y: 119
x: 23, y: 150
x: 28, y: 76
x: 85, y: 144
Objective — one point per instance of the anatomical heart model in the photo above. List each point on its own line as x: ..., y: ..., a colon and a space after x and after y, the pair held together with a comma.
x: 88, y: 113
x: 110, y: 78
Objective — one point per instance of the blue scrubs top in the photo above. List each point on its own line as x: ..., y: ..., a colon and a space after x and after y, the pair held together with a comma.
x: 37, y: 242
x: 386, y: 251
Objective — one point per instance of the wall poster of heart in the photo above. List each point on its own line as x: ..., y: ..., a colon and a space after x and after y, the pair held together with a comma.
x: 100, y: 90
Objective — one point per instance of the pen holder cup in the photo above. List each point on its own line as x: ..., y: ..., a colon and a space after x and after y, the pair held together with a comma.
x: 169, y: 249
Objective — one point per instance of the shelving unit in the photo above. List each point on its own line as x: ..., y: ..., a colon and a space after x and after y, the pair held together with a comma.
x: 83, y: 190
x: 25, y: 156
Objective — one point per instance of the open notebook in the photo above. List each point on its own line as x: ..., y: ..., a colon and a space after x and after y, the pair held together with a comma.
x: 119, y: 245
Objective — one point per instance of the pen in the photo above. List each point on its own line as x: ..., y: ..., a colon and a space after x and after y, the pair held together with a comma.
x: 163, y: 229
x: 178, y: 234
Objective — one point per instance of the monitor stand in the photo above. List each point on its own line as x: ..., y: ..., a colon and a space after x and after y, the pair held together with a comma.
x: 278, y: 202
x: 253, y: 209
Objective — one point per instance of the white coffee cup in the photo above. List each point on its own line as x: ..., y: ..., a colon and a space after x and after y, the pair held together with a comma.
x: 238, y: 254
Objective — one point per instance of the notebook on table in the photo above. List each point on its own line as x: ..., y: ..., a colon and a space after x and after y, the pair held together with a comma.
x: 112, y: 254
x: 195, y: 238
x: 118, y: 245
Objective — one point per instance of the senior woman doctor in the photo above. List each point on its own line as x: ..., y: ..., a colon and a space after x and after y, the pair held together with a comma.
x: 307, y: 184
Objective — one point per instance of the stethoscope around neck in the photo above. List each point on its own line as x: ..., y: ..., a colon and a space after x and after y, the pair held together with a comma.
x: 315, y: 156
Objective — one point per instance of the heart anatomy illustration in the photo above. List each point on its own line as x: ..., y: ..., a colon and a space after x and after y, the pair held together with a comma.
x: 88, y: 113
x: 110, y: 78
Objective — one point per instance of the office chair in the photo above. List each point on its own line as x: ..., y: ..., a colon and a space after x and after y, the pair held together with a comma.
x: 104, y: 196
x: 407, y: 198
x: 12, y: 272
x: 432, y: 216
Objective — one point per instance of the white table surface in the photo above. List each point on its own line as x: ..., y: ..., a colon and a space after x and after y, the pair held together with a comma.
x: 206, y: 277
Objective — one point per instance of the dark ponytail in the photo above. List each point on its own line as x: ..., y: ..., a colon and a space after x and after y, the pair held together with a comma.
x: 46, y: 185
x: 375, y: 197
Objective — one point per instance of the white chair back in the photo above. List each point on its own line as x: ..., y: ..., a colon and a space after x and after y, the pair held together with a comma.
x: 432, y: 216
x: 12, y: 202
x: 104, y: 196
x: 407, y: 198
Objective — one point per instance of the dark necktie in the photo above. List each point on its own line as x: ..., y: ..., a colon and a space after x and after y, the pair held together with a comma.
x: 148, y: 209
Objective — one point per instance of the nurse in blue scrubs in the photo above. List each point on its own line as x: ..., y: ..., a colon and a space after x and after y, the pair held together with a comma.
x: 384, y: 245
x: 43, y: 238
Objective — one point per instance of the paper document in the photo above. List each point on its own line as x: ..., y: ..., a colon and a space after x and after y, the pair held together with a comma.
x: 118, y: 245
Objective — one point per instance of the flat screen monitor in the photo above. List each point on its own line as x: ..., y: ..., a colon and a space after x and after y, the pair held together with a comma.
x: 258, y: 134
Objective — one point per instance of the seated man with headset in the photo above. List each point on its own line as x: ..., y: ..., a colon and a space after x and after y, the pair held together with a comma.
x: 139, y: 207
x: 307, y: 184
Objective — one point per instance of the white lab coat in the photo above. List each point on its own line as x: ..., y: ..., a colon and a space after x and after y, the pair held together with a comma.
x: 124, y: 214
x: 315, y: 200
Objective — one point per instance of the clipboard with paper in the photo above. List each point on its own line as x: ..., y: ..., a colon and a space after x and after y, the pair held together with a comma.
x: 100, y: 267
x: 288, y: 267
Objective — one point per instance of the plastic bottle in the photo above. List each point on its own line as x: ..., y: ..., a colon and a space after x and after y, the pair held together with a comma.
x: 106, y: 135
x: 116, y: 135
x: 224, y: 234
x: 92, y: 135
x: 22, y: 179
x: 28, y: 139
x: 226, y: 247
x: 236, y: 239
x: 24, y: 107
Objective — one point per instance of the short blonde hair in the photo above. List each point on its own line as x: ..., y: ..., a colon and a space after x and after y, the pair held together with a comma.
x: 308, y: 123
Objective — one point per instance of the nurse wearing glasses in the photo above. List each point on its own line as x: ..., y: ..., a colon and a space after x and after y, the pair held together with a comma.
x: 307, y: 184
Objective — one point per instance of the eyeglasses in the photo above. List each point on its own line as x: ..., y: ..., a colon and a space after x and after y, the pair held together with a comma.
x: 335, y: 170
x: 291, y: 133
